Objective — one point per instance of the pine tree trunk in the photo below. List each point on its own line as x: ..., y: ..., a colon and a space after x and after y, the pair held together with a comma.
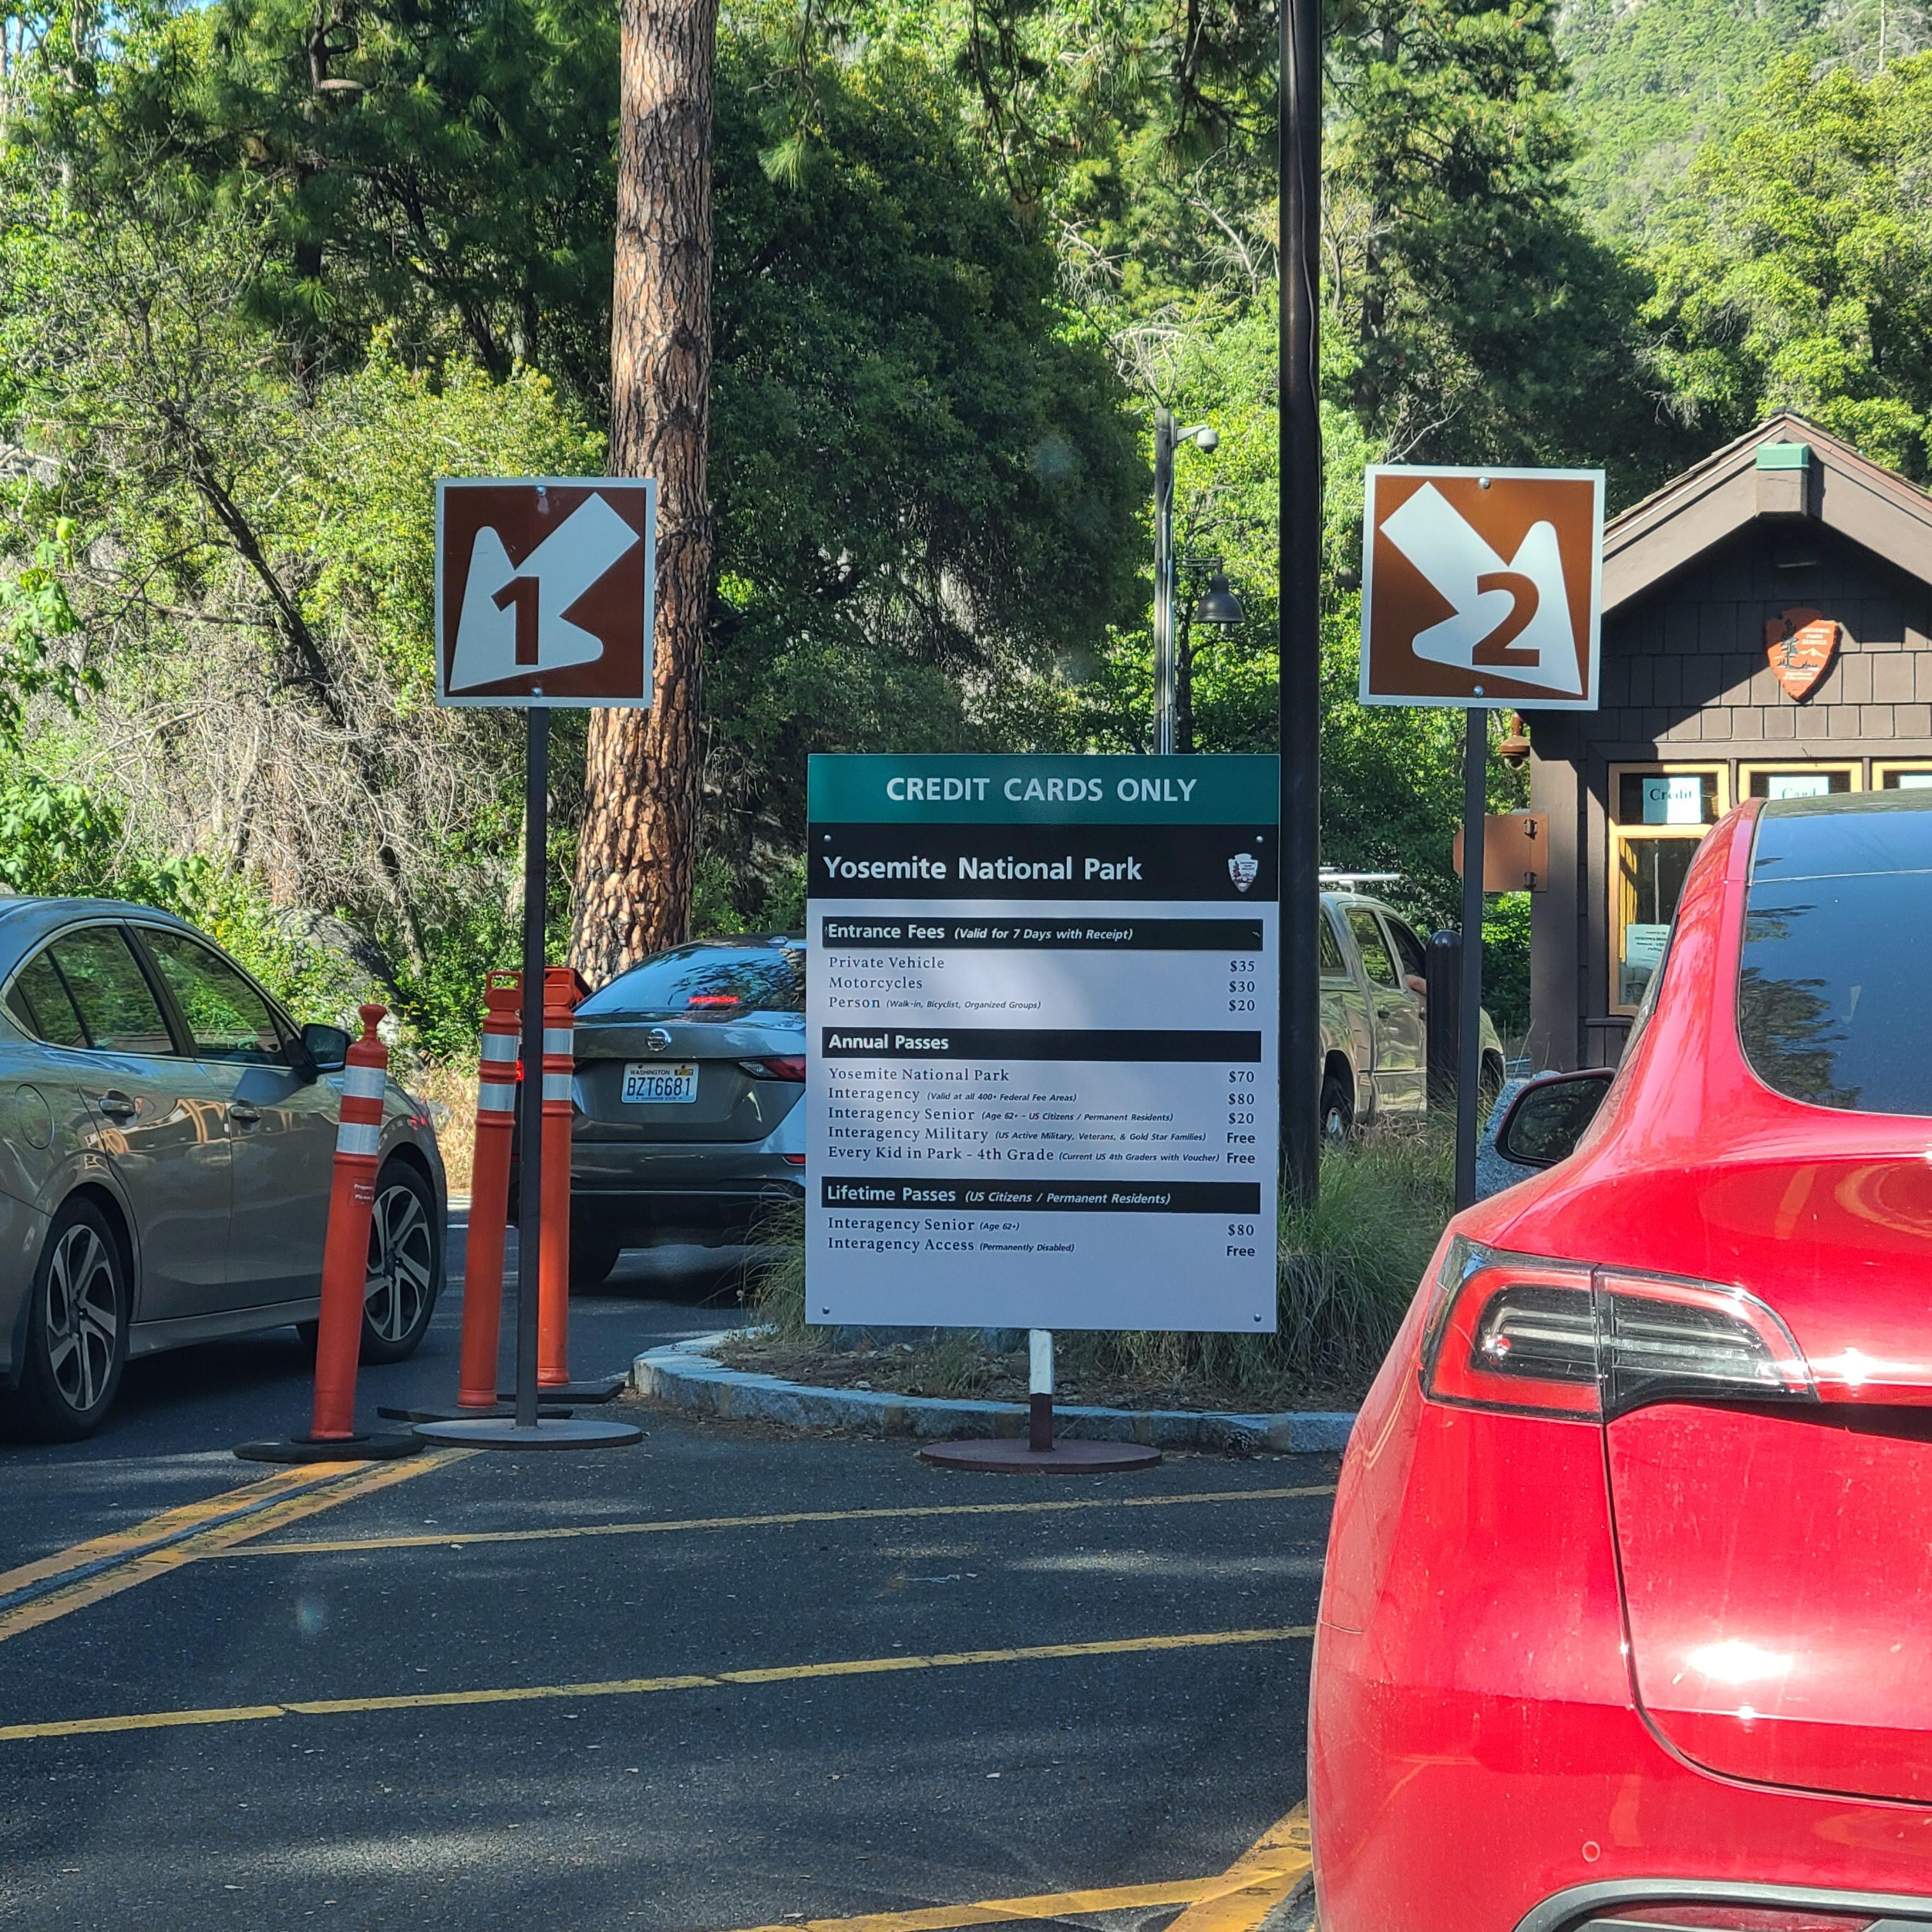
x: 633, y: 863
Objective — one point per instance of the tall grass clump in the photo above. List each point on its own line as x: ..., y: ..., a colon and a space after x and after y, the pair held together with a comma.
x: 1349, y: 1267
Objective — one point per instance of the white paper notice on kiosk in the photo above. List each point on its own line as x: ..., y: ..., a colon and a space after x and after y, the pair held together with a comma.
x: 1041, y: 1003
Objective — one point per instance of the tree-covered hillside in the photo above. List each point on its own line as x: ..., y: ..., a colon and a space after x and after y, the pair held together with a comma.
x: 1651, y: 80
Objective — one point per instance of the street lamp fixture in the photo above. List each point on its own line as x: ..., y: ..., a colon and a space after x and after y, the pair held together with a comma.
x: 1167, y: 438
x: 1218, y: 605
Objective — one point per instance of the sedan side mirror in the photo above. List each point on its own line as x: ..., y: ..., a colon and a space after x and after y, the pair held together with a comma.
x: 1547, y: 1118
x: 326, y: 1046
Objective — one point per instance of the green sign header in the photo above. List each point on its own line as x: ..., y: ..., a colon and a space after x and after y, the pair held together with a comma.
x: 966, y: 789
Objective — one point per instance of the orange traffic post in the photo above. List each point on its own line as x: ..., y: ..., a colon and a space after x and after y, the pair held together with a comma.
x: 332, y: 1434
x: 560, y: 1066
x: 489, y: 1192
x: 562, y: 989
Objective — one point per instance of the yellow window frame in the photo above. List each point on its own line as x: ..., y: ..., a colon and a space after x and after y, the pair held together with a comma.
x: 1622, y: 883
x: 1883, y: 769
x: 1853, y: 768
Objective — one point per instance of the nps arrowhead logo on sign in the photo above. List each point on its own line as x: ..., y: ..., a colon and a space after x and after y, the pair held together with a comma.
x: 544, y: 591
x: 1480, y: 587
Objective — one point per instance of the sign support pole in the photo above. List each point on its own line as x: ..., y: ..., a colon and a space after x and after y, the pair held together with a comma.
x: 530, y: 1201
x: 529, y: 1428
x: 1469, y: 1064
x: 1299, y: 698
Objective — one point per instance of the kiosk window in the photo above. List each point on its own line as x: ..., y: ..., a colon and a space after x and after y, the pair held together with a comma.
x: 1658, y: 815
x: 1798, y: 781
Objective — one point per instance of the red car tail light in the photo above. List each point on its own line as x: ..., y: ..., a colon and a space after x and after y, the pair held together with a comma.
x: 782, y: 1067
x: 1510, y: 1331
x: 1557, y: 1338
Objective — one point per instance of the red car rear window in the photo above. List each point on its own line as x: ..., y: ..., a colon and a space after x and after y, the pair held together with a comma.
x: 1834, y: 1007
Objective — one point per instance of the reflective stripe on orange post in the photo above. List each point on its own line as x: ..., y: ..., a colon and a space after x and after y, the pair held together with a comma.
x: 560, y: 986
x: 489, y: 1192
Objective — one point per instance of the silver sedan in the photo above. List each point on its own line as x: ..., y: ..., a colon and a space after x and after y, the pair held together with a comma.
x: 167, y: 1136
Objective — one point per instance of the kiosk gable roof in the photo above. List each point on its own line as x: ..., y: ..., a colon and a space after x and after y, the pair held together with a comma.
x: 1873, y: 507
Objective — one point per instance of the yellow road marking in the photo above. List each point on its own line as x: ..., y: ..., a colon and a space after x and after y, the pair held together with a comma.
x: 1261, y: 1878
x: 168, y: 1523
x: 1235, y: 1901
x: 458, y: 1538
x: 1004, y: 1911
x: 637, y: 1686
x: 357, y: 1479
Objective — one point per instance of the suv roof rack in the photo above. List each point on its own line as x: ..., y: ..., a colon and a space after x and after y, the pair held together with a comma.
x: 1326, y: 877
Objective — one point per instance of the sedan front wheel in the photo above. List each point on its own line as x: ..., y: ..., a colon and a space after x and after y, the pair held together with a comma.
x: 405, y: 1265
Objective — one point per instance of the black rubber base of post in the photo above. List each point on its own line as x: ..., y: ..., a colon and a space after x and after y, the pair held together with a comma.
x: 490, y: 1432
x: 545, y: 1408
x: 1010, y: 1455
x: 579, y: 1392
x: 373, y: 1447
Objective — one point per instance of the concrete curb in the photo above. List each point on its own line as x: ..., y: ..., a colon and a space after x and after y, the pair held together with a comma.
x: 686, y: 1376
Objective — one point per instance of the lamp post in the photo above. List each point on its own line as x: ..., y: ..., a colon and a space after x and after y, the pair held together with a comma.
x: 1166, y: 439
x: 1216, y: 605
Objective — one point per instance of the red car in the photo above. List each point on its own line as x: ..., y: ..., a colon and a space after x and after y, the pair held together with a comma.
x: 1628, y: 1615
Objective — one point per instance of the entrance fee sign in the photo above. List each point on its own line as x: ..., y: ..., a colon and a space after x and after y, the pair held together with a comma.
x: 544, y: 588
x: 1482, y: 587
x: 1041, y: 1003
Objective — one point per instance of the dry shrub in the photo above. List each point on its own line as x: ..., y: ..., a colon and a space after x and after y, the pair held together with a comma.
x: 448, y: 1089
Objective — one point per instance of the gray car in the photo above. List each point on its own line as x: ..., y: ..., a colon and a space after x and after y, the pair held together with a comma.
x: 167, y: 1138
x: 690, y: 1069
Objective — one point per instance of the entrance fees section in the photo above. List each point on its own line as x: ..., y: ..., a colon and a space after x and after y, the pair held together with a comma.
x: 1042, y: 1089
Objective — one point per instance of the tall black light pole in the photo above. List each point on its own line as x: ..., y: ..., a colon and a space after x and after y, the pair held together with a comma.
x: 1300, y: 686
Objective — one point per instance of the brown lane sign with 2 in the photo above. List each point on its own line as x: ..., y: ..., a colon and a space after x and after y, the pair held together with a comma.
x: 545, y: 589
x: 1481, y: 586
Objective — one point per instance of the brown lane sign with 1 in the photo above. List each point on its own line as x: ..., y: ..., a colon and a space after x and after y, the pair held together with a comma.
x: 1481, y: 587
x: 545, y: 589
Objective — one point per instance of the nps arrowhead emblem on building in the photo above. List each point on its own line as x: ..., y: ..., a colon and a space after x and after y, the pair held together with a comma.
x: 1801, y: 645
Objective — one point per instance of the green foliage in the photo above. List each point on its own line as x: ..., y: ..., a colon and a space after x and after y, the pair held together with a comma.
x: 1652, y: 83
x: 924, y: 486
x: 1797, y: 272
x: 61, y: 839
x: 35, y: 617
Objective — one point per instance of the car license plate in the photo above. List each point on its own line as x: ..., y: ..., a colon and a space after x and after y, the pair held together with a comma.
x: 647, y: 1085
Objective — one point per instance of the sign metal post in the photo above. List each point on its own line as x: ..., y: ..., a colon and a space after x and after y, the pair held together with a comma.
x: 544, y: 593
x: 1481, y: 590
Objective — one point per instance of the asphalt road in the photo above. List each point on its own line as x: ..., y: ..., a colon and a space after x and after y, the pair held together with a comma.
x: 722, y: 1680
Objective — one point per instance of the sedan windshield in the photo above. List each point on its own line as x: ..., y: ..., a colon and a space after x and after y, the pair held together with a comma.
x: 1833, y: 1005
x: 701, y: 978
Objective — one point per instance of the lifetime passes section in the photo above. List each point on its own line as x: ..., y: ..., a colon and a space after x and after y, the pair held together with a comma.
x: 1042, y: 1018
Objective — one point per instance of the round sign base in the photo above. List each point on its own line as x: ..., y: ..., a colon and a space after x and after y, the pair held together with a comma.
x: 502, y: 1433
x: 1010, y: 1455
x: 329, y: 1449
x: 453, y: 1413
x: 608, y: 1389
